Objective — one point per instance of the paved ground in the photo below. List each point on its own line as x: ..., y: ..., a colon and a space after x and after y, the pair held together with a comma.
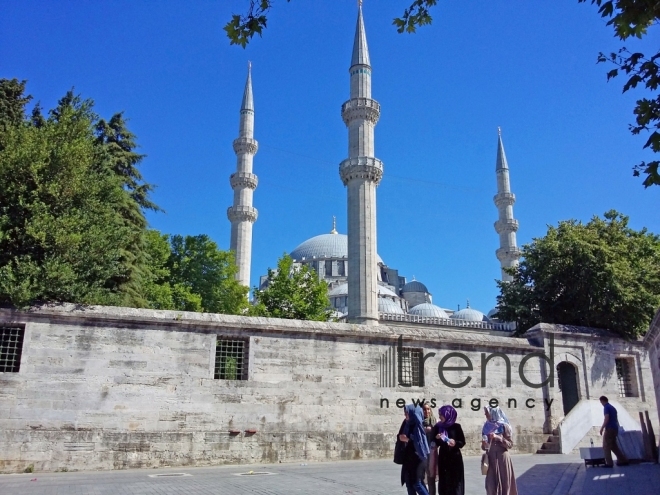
x: 536, y: 474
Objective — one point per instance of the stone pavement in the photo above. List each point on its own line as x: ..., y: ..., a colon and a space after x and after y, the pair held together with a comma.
x: 536, y: 474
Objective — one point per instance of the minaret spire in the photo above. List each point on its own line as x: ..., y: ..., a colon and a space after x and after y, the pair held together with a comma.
x: 361, y: 172
x: 242, y: 214
x: 506, y: 226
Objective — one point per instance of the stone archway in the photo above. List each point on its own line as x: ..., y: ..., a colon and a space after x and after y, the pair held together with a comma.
x: 568, y: 384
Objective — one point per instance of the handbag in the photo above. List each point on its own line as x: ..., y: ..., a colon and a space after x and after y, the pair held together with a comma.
x: 399, y: 451
x: 484, y: 463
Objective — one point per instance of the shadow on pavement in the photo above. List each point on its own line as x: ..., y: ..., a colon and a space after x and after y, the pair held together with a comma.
x: 541, y: 479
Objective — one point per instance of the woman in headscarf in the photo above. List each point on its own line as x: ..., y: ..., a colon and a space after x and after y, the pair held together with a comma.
x: 496, y: 439
x: 432, y: 465
x: 450, y: 439
x: 416, y: 452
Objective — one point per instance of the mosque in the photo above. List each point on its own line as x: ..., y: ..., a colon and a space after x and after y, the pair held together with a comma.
x: 98, y: 387
x: 362, y: 287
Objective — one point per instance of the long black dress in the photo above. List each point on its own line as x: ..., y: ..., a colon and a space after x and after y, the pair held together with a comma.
x: 413, y: 468
x: 451, y: 476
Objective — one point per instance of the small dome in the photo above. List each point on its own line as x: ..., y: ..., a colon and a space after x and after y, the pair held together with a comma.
x: 469, y: 314
x: 389, y: 306
x: 493, y: 313
x: 415, y: 286
x: 324, y: 246
x: 427, y: 309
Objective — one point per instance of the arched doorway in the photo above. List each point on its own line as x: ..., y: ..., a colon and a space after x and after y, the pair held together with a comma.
x: 567, y: 376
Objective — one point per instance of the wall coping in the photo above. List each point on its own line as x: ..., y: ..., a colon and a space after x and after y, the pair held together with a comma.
x: 654, y: 331
x: 575, y: 331
x: 76, y: 314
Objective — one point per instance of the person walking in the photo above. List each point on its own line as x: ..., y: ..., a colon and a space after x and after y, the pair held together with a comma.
x: 450, y: 439
x: 432, y: 465
x: 416, y: 451
x: 496, y: 439
x: 609, y: 431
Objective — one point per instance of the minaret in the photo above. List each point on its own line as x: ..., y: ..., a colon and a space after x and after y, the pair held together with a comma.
x: 242, y: 215
x: 361, y: 173
x: 506, y: 226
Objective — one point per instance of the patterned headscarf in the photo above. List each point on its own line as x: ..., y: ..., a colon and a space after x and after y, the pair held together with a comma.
x: 414, y: 430
x: 450, y: 415
x: 496, y: 423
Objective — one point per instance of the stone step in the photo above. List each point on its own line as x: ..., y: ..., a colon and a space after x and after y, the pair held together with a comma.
x: 551, y: 446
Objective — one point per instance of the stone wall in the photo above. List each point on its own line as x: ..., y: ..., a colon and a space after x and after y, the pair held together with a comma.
x: 113, y: 388
x: 652, y: 341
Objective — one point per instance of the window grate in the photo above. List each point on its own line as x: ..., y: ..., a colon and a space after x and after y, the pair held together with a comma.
x: 624, y: 375
x: 410, y: 359
x: 11, y: 347
x: 231, y: 359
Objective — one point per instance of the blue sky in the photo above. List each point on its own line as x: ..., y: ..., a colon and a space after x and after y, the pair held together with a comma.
x: 529, y: 67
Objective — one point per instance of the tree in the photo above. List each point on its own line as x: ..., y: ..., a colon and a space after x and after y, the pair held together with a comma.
x: 62, y: 236
x: 197, y: 266
x: 293, y: 292
x: 241, y: 28
x: 629, y: 18
x: 632, y: 18
x: 600, y: 274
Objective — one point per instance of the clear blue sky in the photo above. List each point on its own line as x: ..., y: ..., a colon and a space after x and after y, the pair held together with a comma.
x: 528, y: 67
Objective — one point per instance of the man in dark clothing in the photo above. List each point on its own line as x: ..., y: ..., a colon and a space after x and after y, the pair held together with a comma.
x: 611, y: 429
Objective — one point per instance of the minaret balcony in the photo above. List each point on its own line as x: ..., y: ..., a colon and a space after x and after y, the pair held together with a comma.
x: 245, y: 145
x: 508, y: 255
x: 242, y: 213
x: 508, y: 225
x: 243, y: 179
x: 361, y: 167
x: 360, y: 108
x: 504, y: 199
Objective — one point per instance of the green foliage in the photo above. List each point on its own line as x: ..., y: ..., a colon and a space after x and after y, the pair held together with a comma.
x: 198, y: 267
x: 600, y: 274
x: 632, y: 18
x: 61, y: 236
x: 72, y: 225
x: 12, y: 104
x: 241, y: 28
x: 417, y: 15
x: 192, y: 274
x: 293, y: 293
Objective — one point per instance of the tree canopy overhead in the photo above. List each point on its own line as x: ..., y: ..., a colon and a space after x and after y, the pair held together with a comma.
x: 629, y: 18
x: 600, y: 274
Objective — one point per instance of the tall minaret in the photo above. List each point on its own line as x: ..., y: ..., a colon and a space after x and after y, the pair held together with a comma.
x: 361, y: 173
x: 242, y: 215
x: 506, y: 226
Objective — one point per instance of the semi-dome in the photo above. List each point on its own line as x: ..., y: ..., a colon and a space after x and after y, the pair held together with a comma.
x: 493, y: 313
x: 324, y: 246
x: 430, y: 310
x: 342, y: 290
x: 469, y: 314
x: 415, y: 286
x: 388, y: 306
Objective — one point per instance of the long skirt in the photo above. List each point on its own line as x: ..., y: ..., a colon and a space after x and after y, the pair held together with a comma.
x: 500, y: 479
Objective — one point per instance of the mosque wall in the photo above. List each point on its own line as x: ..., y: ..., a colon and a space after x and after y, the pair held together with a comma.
x: 115, y: 388
x: 652, y: 341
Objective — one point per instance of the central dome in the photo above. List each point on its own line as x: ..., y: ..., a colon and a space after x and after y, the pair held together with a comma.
x: 324, y: 246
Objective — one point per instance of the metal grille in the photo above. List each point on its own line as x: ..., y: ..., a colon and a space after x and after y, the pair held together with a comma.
x: 410, y: 359
x: 231, y: 359
x: 624, y: 377
x: 11, y: 346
